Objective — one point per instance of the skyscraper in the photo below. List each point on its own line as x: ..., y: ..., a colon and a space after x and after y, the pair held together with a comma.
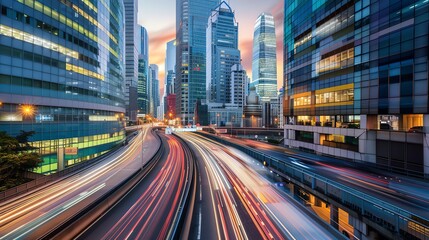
x: 264, y: 64
x: 356, y: 75
x: 239, y: 85
x: 191, y: 21
x: 132, y: 38
x: 222, y: 53
x: 156, y: 99
x: 143, y: 73
x: 170, y: 64
x: 170, y: 56
x: 154, y: 89
x: 61, y: 75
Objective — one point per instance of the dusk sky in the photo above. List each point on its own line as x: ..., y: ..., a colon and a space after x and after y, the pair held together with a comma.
x: 159, y: 18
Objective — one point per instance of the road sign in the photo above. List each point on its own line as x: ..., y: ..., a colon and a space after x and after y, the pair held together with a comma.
x: 70, y: 151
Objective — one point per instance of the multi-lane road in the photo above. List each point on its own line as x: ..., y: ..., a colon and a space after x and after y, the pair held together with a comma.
x: 149, y: 210
x: 405, y: 192
x: 234, y: 198
x: 234, y: 201
x: 33, y: 215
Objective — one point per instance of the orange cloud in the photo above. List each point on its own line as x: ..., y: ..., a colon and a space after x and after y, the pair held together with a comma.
x: 157, y: 48
x: 278, y: 14
x: 246, y: 47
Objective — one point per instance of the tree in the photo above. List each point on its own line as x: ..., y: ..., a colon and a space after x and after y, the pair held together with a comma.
x: 16, y: 158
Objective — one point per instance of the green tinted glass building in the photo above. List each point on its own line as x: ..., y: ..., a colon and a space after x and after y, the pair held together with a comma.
x: 61, y: 75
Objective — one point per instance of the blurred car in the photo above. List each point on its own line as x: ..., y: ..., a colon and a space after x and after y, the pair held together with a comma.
x: 416, y: 129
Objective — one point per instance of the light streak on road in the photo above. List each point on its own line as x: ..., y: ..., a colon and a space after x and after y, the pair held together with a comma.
x: 227, y: 220
x: 32, y: 214
x: 151, y: 213
x: 271, y: 212
x: 405, y: 192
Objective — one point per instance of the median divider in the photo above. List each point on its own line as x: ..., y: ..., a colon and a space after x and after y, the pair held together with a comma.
x: 84, y: 218
x: 182, y: 221
x: 396, y: 220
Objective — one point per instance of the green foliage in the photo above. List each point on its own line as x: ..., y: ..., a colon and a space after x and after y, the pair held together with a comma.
x: 15, y: 159
x: 274, y: 141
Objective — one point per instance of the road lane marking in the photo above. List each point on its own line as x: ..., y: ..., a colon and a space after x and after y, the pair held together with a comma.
x: 199, y: 224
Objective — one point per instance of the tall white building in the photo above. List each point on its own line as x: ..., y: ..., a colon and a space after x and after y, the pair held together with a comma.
x: 264, y: 63
x: 239, y: 85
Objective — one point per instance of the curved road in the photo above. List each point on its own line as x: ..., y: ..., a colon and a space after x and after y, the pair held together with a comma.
x: 147, y: 212
x: 32, y: 215
x: 242, y: 197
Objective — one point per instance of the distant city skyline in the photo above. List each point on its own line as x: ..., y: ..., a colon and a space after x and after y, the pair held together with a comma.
x: 158, y: 17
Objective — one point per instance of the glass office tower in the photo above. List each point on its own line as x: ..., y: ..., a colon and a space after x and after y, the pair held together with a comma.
x: 222, y: 53
x: 61, y: 75
x: 264, y: 63
x: 143, y: 73
x: 191, y: 22
x: 356, y: 80
x: 132, y: 45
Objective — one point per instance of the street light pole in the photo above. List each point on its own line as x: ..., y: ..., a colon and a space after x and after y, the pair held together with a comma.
x: 232, y: 122
x: 142, y: 147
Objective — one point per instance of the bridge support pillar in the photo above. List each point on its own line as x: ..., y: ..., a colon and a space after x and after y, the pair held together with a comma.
x: 360, y: 228
x: 292, y: 189
x: 333, y: 216
x: 426, y: 145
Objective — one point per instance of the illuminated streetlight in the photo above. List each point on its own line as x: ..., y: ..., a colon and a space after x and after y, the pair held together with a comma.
x: 27, y: 110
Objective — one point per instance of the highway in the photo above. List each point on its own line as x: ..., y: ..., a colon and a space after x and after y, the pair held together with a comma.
x: 405, y: 192
x: 32, y: 215
x: 148, y: 211
x: 234, y: 201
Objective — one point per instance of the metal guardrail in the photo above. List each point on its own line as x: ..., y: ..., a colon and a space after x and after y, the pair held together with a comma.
x: 181, y: 220
x: 378, y: 210
x: 38, y: 182
x: 75, y: 224
x: 28, y: 186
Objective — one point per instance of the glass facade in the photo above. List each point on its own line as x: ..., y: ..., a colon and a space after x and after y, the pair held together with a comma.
x: 356, y: 57
x: 264, y: 63
x: 170, y: 64
x: 222, y: 53
x: 64, y: 60
x: 191, y: 22
x: 361, y: 65
x: 132, y: 45
x: 154, y: 99
x: 143, y: 76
